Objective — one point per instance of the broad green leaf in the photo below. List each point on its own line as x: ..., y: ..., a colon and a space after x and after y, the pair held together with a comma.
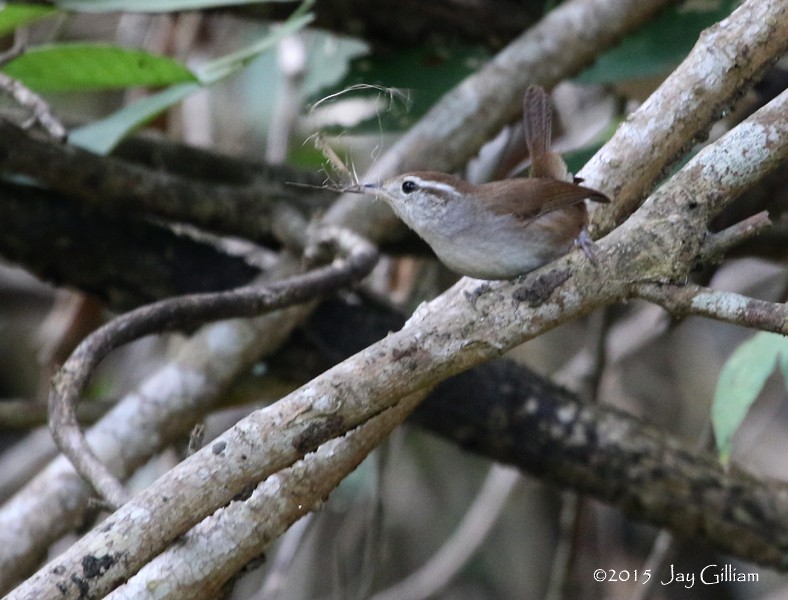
x: 84, y: 67
x: 418, y: 77
x: 102, y: 136
x: 17, y: 15
x: 149, y: 5
x: 741, y: 380
x: 658, y: 46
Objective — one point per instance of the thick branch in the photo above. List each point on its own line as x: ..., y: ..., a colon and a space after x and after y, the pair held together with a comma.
x: 124, y: 261
x: 676, y: 216
x: 244, y: 206
x: 512, y: 415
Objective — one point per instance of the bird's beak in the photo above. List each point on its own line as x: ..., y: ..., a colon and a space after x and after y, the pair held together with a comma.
x: 360, y: 188
x: 365, y: 188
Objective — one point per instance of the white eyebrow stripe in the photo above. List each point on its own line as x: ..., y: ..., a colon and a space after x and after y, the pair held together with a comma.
x: 436, y: 185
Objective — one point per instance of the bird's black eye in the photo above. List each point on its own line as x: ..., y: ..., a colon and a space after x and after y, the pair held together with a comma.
x: 409, y: 186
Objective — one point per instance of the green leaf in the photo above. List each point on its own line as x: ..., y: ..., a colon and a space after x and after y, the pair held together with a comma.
x: 17, y: 15
x: 422, y: 75
x: 658, y: 46
x: 741, y: 380
x: 83, y: 67
x: 97, y: 6
x: 103, y: 135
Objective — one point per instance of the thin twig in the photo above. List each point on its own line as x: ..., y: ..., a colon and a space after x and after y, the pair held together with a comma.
x: 568, y: 523
x: 196, y: 438
x: 333, y: 159
x: 660, y: 551
x: 717, y: 244
x: 26, y: 97
x: 393, y: 94
x: 17, y: 49
x: 291, y: 60
x: 692, y: 299
x: 42, y: 113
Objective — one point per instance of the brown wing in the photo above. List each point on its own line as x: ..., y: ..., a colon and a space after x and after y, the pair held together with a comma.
x: 529, y: 198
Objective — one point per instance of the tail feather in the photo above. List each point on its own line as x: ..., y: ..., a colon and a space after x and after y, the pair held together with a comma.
x: 538, y: 125
x: 537, y: 120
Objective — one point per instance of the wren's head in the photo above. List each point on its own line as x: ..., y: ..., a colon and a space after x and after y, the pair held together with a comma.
x: 422, y: 198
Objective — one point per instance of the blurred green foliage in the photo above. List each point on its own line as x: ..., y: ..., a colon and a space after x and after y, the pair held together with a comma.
x: 741, y: 381
x: 660, y: 45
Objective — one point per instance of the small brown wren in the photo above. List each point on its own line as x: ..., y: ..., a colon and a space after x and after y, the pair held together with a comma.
x: 501, y: 229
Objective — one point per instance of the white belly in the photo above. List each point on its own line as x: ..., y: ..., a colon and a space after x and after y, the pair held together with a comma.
x: 502, y: 250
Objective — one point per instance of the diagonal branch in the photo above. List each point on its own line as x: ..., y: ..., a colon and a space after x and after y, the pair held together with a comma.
x: 716, y: 245
x: 616, y: 458
x: 504, y: 411
x: 124, y: 261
